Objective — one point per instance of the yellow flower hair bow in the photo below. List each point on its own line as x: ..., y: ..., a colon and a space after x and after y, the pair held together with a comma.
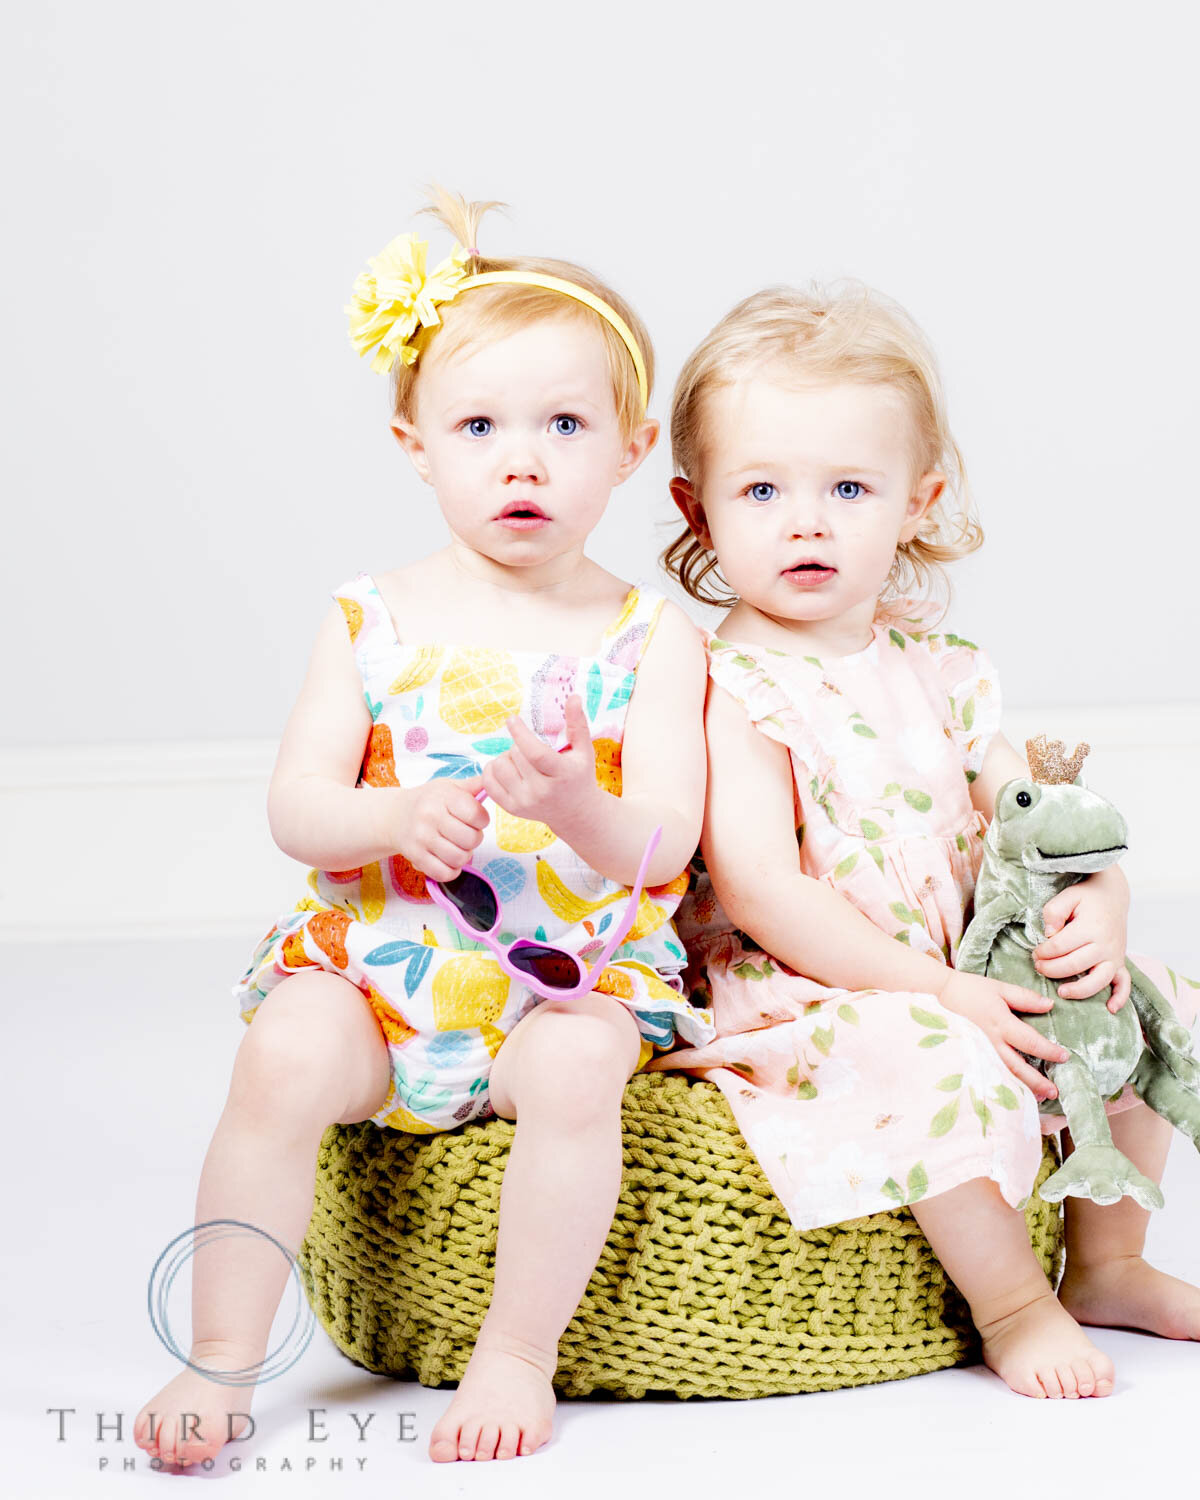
x: 396, y: 297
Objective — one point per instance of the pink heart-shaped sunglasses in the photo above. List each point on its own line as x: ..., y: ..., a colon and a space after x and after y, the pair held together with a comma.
x: 473, y: 904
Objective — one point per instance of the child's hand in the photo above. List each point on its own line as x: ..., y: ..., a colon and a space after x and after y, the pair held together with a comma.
x: 990, y: 1004
x: 532, y: 781
x: 438, y: 826
x: 1085, y: 936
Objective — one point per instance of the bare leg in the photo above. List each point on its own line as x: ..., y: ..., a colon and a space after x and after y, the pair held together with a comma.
x: 1106, y: 1281
x: 1031, y: 1342
x: 562, y: 1075
x: 313, y: 1055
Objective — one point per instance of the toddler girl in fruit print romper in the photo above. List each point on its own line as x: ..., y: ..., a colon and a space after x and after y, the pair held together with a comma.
x: 855, y: 756
x: 507, y: 703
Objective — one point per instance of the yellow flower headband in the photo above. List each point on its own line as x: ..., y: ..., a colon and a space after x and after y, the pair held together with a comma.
x: 396, y: 297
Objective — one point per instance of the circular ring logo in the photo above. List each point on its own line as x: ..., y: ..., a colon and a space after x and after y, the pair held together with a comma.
x: 177, y: 1254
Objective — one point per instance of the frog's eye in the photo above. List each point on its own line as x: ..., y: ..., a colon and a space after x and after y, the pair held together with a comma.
x: 1024, y: 799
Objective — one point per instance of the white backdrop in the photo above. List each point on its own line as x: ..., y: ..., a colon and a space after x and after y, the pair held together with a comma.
x: 195, y: 456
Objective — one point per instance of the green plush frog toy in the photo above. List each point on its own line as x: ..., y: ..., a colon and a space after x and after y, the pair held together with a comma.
x: 1048, y: 833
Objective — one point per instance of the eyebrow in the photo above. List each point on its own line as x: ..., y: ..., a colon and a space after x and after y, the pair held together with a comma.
x: 832, y: 468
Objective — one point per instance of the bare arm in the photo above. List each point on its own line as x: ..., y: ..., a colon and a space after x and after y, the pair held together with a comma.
x: 317, y: 813
x: 753, y: 860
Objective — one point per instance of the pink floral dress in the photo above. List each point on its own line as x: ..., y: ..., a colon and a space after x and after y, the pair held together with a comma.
x: 856, y: 1102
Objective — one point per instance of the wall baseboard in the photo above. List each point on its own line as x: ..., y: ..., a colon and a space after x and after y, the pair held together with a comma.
x: 171, y: 840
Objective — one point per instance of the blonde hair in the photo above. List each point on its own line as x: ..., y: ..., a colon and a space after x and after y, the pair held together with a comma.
x: 843, y: 332
x: 493, y: 311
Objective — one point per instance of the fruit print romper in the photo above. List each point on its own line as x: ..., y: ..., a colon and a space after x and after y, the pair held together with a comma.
x: 442, y: 1001
x: 856, y: 1102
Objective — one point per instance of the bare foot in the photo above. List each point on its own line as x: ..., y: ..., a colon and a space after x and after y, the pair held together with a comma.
x: 1127, y: 1293
x: 1039, y: 1350
x: 193, y: 1416
x: 503, y: 1408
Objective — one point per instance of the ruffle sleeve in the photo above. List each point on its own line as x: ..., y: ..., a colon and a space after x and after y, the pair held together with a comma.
x: 750, y: 684
x: 969, y: 680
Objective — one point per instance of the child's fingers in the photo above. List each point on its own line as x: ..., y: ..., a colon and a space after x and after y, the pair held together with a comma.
x: 1016, y: 997
x: 502, y: 781
x: 465, y: 807
x: 1022, y: 1036
x: 1121, y: 990
x: 1090, y: 983
x: 1077, y: 961
x: 1058, y: 910
x: 1036, y: 1082
x: 578, y: 730
x: 1062, y: 941
x: 529, y: 750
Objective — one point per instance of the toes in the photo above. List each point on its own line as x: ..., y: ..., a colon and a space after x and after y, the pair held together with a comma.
x: 1049, y: 1383
x: 533, y: 1439
x: 468, y: 1441
x: 489, y: 1437
x: 443, y: 1445
x: 1085, y: 1380
x: 1065, y: 1374
x: 510, y: 1442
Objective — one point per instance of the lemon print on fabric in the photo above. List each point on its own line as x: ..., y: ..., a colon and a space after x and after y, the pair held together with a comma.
x: 404, y: 1119
x: 608, y: 765
x: 492, y: 1037
x: 519, y: 835
x: 480, y: 690
x: 420, y: 670
x: 353, y: 612
x: 468, y: 990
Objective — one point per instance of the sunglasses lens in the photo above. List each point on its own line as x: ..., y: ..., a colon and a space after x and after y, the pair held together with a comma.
x: 474, y: 900
x: 556, y: 970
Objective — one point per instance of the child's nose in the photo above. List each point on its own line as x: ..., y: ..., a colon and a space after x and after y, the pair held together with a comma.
x: 523, y: 465
x: 807, y: 520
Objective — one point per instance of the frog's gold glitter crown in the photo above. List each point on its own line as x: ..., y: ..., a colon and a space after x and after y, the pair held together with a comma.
x: 1049, y: 762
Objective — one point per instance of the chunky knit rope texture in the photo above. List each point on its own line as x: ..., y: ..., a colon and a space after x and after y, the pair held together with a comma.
x: 703, y: 1289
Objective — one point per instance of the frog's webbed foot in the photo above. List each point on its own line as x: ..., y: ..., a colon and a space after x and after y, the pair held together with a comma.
x: 1095, y: 1169
x: 1103, y: 1174
x: 1175, y: 1098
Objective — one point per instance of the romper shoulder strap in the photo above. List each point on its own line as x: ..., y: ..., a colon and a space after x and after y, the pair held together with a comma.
x: 626, y: 639
x: 367, y: 618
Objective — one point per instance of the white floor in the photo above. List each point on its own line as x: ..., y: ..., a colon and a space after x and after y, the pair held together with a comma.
x: 118, y: 1056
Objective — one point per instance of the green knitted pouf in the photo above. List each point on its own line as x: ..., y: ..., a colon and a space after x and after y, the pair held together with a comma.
x: 703, y: 1289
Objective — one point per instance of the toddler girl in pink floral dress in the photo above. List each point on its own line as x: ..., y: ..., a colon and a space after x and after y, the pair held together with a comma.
x: 855, y: 755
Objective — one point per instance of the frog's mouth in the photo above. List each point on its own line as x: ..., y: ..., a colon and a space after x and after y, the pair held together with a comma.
x: 1080, y: 861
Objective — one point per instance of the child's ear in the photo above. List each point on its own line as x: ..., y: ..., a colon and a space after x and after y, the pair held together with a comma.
x: 926, y: 494
x: 644, y: 437
x: 684, y: 496
x: 410, y: 440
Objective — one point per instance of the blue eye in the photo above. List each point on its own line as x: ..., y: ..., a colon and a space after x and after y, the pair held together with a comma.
x: 479, y: 426
x: 848, y: 489
x: 566, y: 426
x: 762, y: 491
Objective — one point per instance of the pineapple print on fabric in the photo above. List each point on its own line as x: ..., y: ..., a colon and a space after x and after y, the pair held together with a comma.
x: 443, y: 1003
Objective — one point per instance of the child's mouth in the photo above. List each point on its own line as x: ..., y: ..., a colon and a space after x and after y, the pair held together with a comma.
x: 809, y: 575
x: 523, y: 516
